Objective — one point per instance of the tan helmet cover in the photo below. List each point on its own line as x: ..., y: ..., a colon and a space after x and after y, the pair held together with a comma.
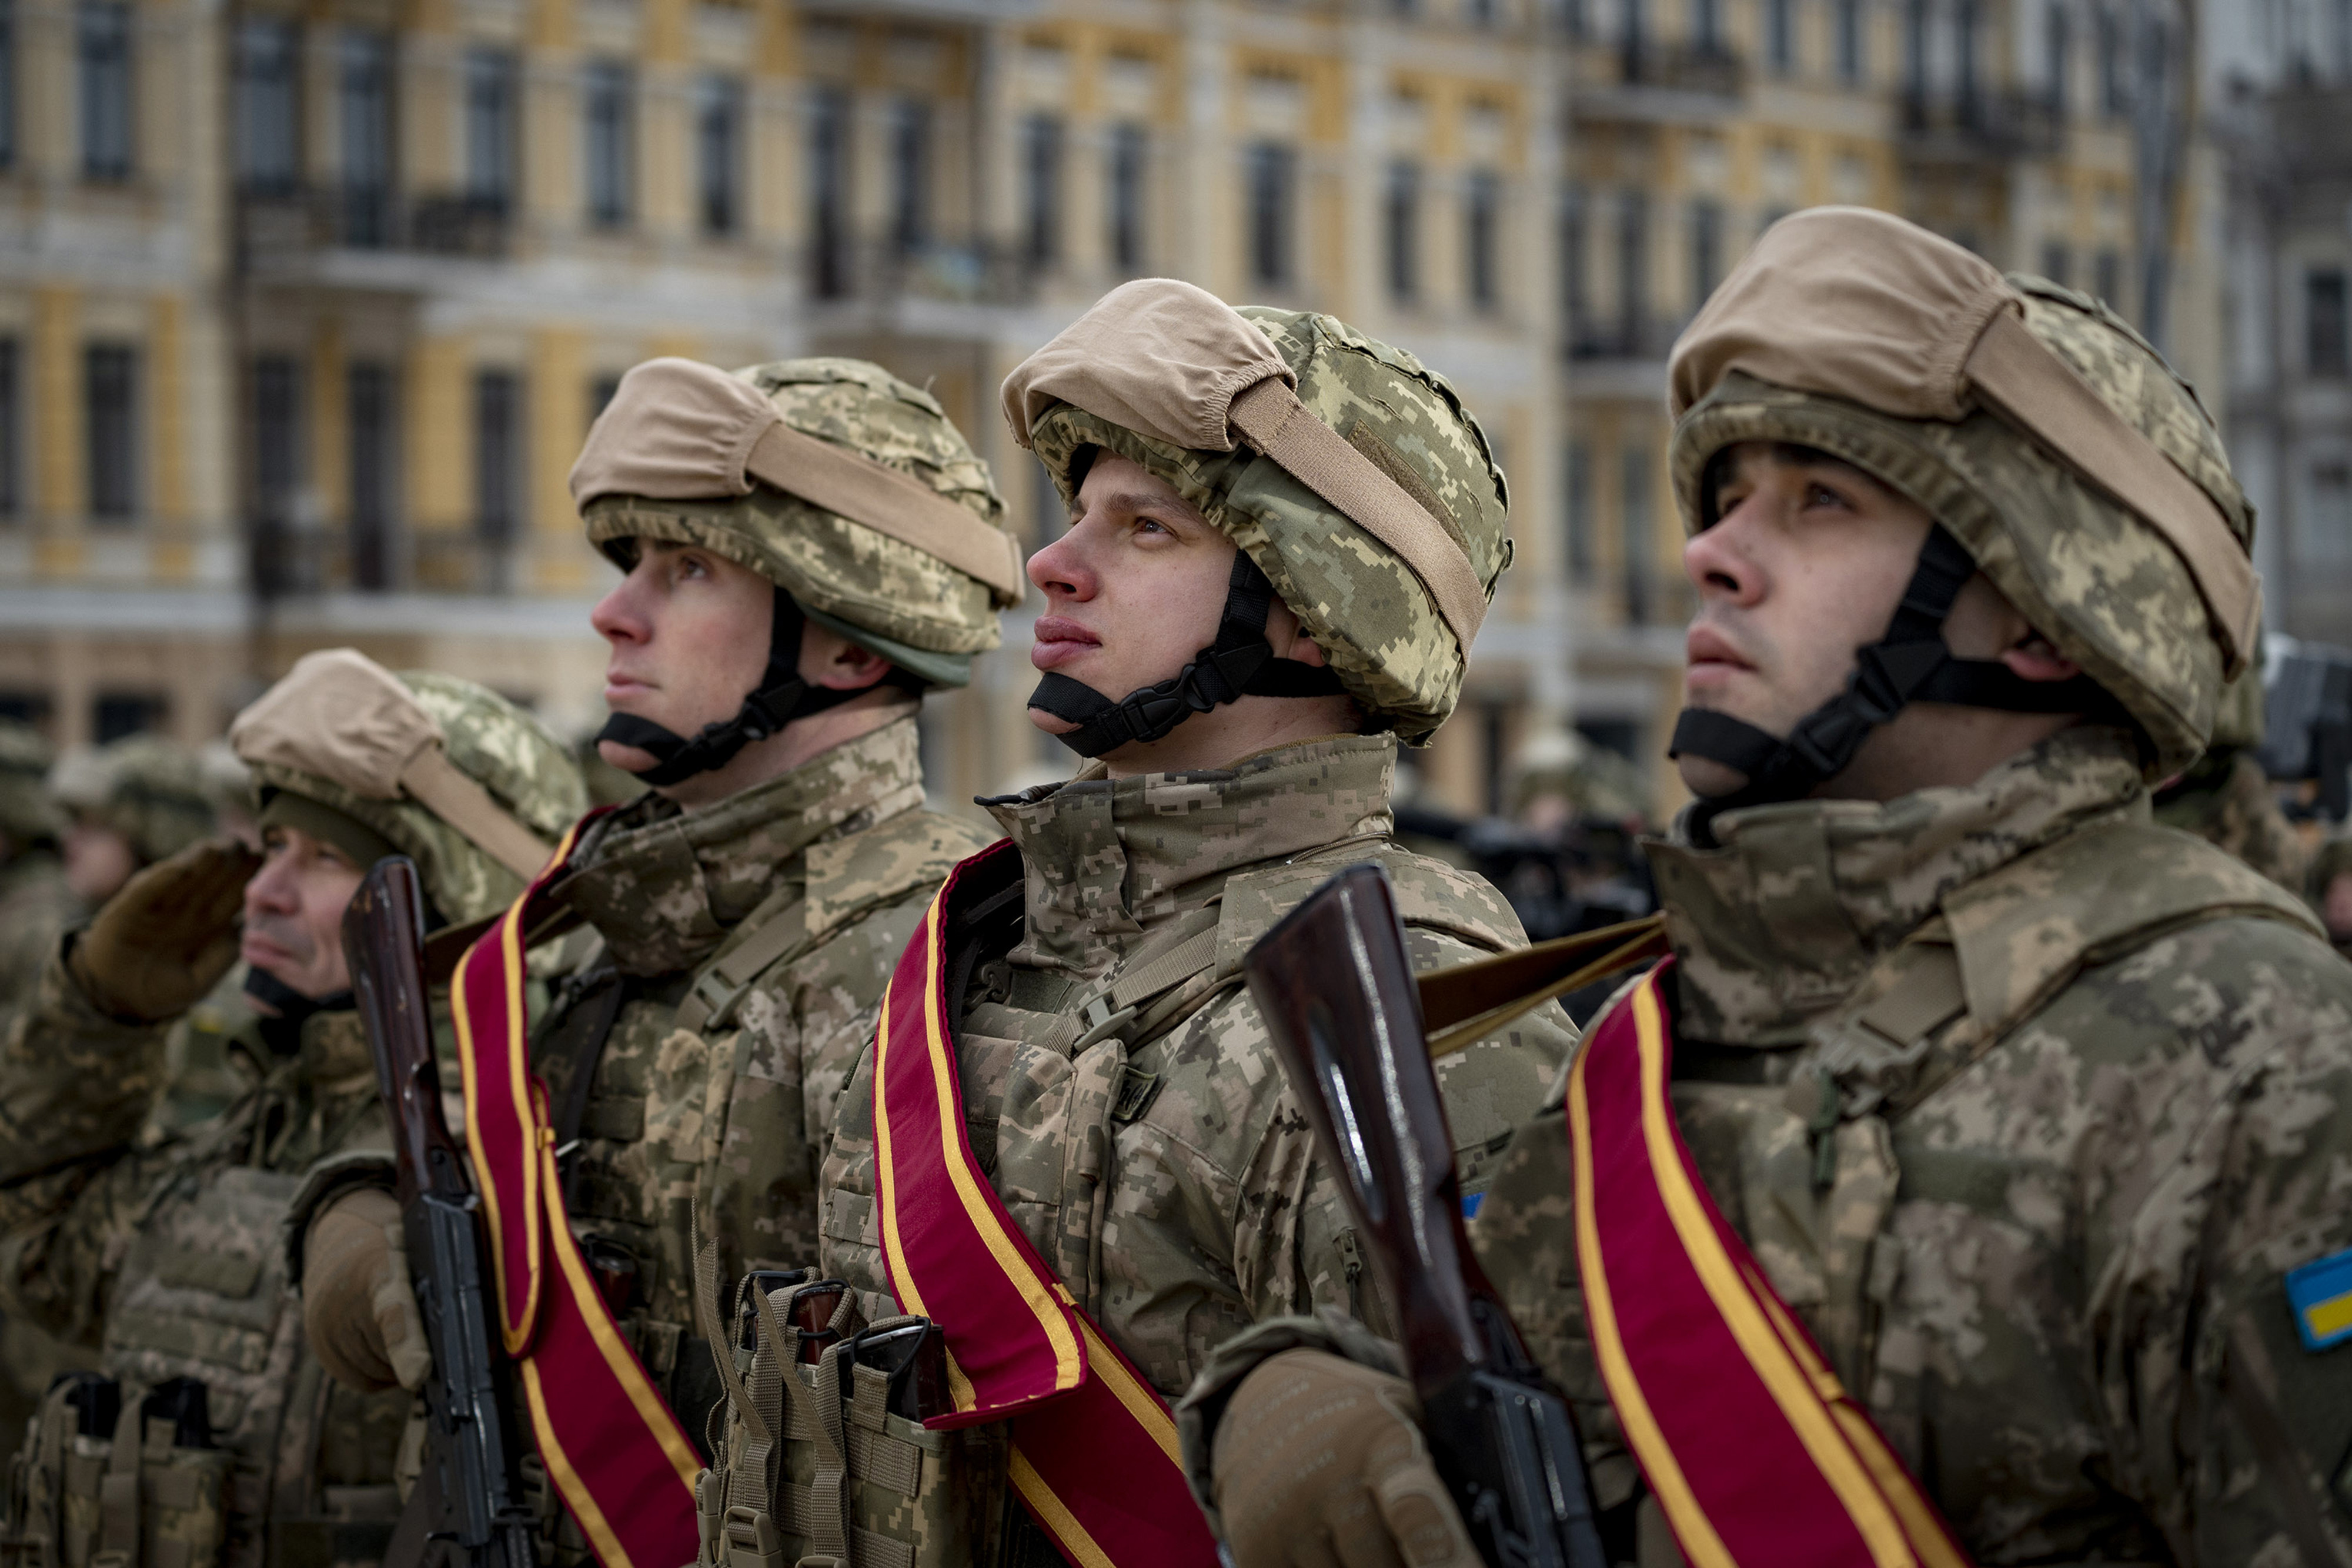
x: 341, y: 716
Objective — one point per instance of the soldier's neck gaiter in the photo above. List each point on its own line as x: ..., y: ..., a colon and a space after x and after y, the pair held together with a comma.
x: 281, y: 1029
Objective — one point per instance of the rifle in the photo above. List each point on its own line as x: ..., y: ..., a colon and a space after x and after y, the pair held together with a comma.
x: 1335, y: 989
x: 472, y: 1465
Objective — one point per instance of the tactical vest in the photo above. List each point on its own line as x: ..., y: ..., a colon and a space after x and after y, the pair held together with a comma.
x: 1799, y: 1146
x: 207, y: 1439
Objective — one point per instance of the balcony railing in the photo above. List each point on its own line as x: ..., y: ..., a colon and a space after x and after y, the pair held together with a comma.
x: 290, y: 560
x: 1640, y: 79
x: 1592, y: 336
x: 966, y: 273
x: 1986, y: 126
x: 276, y: 225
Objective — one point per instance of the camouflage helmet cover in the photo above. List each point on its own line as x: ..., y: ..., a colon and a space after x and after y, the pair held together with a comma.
x: 141, y: 786
x: 2107, y: 584
x: 1397, y: 651
x: 893, y: 596
x: 28, y: 815
x: 525, y: 770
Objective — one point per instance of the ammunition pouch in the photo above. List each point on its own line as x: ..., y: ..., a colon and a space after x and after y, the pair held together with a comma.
x: 152, y: 1493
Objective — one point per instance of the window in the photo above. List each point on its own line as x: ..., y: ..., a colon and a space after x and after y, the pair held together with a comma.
x: 2326, y: 538
x: 1579, y: 512
x: 1634, y: 513
x: 1707, y: 250
x: 1401, y: 222
x: 2058, y: 42
x: 1633, y: 270
x: 267, y: 107
x: 1575, y: 281
x: 1780, y: 35
x: 1273, y: 171
x: 607, y: 98
x: 490, y: 119
x: 2057, y: 262
x: 375, y: 463
x: 1965, y: 28
x: 1130, y: 146
x: 602, y: 390
x: 109, y: 416
x: 7, y: 83
x: 718, y: 152
x: 116, y: 715
x: 363, y: 91
x: 2115, y: 95
x: 910, y: 176
x: 1482, y: 240
x: 1041, y: 189
x: 12, y: 429
x: 1479, y: 13
x: 497, y: 455
x: 102, y: 73
x: 1706, y: 25
x: 2108, y: 278
x: 276, y: 440
x: 1850, y: 62
x: 829, y: 193
x: 1914, y: 48
x: 2326, y: 344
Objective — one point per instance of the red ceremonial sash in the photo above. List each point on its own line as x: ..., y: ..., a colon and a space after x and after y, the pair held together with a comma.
x: 1756, y: 1453
x: 1095, y: 1455
x: 622, y: 1463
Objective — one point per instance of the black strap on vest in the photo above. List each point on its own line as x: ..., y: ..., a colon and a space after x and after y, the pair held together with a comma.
x: 780, y: 698
x: 1910, y: 663
x: 1240, y: 663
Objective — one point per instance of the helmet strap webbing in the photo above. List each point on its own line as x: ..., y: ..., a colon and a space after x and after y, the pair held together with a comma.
x: 1911, y: 663
x: 780, y: 698
x: 1239, y: 664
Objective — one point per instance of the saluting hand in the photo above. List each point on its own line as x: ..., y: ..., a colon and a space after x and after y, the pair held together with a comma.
x: 168, y: 937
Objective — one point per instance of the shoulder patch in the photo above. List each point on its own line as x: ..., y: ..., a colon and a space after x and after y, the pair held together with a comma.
x: 2321, y: 1294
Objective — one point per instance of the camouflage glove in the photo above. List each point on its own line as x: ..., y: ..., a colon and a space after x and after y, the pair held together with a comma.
x: 1319, y: 1462
x: 359, y: 1309
x: 168, y: 937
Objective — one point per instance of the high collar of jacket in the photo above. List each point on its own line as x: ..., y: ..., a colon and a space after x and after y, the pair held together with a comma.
x: 1778, y: 924
x: 1107, y: 857
x: 665, y: 886
x: 335, y: 1056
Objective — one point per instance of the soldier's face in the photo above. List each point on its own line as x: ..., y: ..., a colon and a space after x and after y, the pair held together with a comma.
x: 690, y: 633
x: 294, y: 911
x: 1133, y: 590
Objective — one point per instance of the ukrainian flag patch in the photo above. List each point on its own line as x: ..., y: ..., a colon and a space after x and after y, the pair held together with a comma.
x: 2321, y: 1294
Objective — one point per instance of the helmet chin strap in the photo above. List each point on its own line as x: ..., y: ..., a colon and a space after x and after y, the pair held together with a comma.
x: 1240, y: 663
x: 780, y: 698
x: 1910, y: 663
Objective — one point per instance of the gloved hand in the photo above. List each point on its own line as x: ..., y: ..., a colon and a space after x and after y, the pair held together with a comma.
x: 359, y: 1309
x: 168, y: 937
x: 1319, y: 1462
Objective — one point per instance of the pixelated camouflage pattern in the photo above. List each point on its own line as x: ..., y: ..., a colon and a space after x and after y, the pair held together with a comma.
x: 1172, y: 1184
x: 2227, y: 800
x: 823, y: 559
x: 144, y: 788
x: 736, y: 1117
x: 2105, y: 587
x: 35, y: 908
x: 1366, y: 610
x: 2094, y: 1089
x: 491, y: 741
x: 168, y: 1252
x: 28, y: 815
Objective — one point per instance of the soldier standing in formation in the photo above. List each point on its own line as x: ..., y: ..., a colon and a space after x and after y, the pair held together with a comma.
x: 1240, y: 650
x: 809, y: 546
x: 129, y: 804
x: 2033, y: 1114
x: 36, y: 904
x: 168, y: 1256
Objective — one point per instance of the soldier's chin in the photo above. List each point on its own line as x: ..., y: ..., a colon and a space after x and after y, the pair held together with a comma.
x: 1707, y: 778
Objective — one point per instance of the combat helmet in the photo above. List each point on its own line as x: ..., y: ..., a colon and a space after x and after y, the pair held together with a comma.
x: 141, y: 786
x: 27, y: 816
x: 848, y: 489
x: 446, y: 772
x: 1357, y: 486
x: 2053, y: 447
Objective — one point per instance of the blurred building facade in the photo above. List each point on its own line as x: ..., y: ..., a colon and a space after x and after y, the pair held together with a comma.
x: 306, y: 305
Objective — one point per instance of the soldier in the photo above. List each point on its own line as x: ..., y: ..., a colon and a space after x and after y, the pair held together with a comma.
x: 808, y: 547
x: 2019, y: 1123
x: 36, y: 904
x: 1260, y: 595
x: 129, y: 804
x: 168, y: 1254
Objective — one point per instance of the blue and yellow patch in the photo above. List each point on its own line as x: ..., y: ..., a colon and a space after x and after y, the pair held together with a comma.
x: 2320, y: 1292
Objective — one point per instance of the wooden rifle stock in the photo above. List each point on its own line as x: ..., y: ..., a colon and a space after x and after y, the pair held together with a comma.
x: 1336, y: 988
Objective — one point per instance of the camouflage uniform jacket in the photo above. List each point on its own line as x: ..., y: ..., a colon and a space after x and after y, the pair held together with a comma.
x: 36, y: 909
x: 732, y: 1118
x: 2094, y: 1088
x: 1208, y: 1210
x: 169, y: 1251
x: 2226, y: 800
